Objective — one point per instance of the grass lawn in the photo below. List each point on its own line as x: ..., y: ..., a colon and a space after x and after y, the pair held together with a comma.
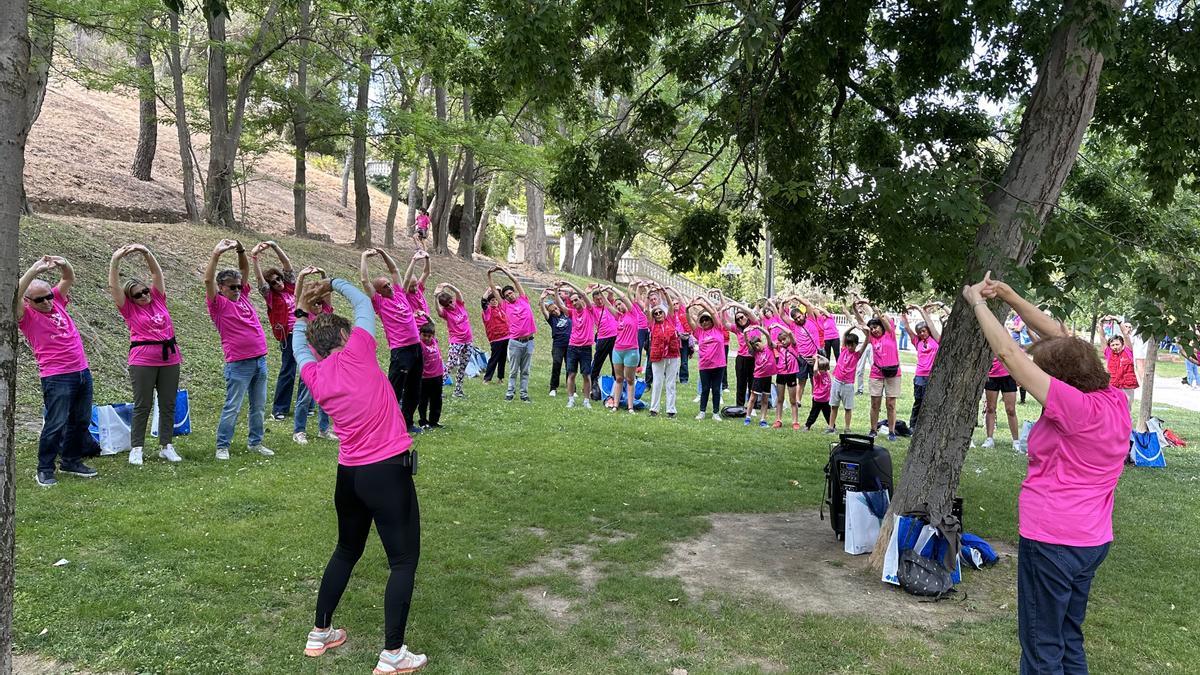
x: 208, y: 567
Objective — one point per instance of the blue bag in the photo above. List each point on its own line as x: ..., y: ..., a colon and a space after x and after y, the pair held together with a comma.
x: 183, y: 415
x: 607, y: 384
x: 1145, y: 450
x: 976, y: 552
x: 476, y: 362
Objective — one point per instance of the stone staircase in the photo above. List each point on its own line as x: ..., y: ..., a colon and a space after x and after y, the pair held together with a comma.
x: 533, y: 287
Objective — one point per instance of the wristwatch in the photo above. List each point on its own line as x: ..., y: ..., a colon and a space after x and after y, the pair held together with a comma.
x: 300, y: 313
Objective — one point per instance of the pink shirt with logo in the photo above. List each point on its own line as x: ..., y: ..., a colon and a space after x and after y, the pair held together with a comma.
x: 433, y: 366
x: 764, y: 362
x: 416, y: 300
x: 829, y: 328
x: 997, y: 369
x: 847, y: 365
x: 606, y: 323
x: 396, y: 315
x: 458, y: 322
x: 52, y: 336
x: 787, y: 360
x: 884, y: 350
x: 808, y: 336
x: 520, y: 318
x: 237, y: 323
x: 740, y: 334
x: 712, y: 347
x: 822, y: 386
x: 774, y: 326
x: 1077, y: 449
x: 350, y: 387
x: 149, y: 322
x: 627, y: 337
x: 583, y: 326
x: 926, y: 352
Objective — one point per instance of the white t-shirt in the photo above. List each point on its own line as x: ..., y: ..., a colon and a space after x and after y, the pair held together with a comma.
x: 1139, y: 347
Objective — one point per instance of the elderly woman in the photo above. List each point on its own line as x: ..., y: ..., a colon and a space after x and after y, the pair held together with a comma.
x: 664, y: 358
x: 925, y: 338
x: 153, y: 355
x: 374, y: 473
x: 1076, y: 452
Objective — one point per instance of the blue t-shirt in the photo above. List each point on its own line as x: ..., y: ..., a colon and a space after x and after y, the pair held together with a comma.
x: 560, y: 329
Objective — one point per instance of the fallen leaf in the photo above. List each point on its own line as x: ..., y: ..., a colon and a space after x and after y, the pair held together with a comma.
x: 672, y: 599
x: 1004, y: 606
x: 61, y: 562
x: 44, y: 631
x: 793, y: 482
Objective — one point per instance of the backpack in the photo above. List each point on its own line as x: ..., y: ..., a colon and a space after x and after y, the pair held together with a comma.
x: 733, y: 411
x: 902, y: 429
x: 923, y: 576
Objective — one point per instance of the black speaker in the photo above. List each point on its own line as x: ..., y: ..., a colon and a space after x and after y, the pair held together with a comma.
x: 857, y: 464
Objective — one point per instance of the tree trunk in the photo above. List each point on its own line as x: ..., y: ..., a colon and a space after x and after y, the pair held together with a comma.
x: 410, y: 216
x: 300, y: 125
x: 346, y: 169
x: 485, y: 216
x: 567, y: 262
x: 15, y: 93
x: 1052, y: 128
x: 181, y: 124
x: 143, y: 157
x: 535, y: 227
x: 1147, y: 407
x: 218, y: 192
x: 389, y: 230
x: 362, y: 195
x: 466, y: 227
x: 39, y: 32
x: 443, y: 200
x: 583, y: 255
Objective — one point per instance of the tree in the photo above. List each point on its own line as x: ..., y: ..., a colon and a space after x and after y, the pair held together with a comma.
x: 300, y: 123
x: 174, y: 62
x: 466, y: 228
x: 362, y: 195
x: 143, y: 156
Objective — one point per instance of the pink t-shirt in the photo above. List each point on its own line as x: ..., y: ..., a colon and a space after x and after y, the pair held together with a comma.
x: 712, y: 347
x: 606, y: 323
x: 740, y: 333
x: 847, y: 365
x: 1077, y: 449
x: 829, y: 328
x: 416, y: 300
x: 774, y: 326
x: 822, y: 386
x: 627, y: 337
x: 926, y: 352
x: 998, y: 369
x: 350, y: 387
x: 520, y: 318
x: 237, y: 323
x: 399, y: 324
x: 764, y: 362
x: 422, y: 222
x: 787, y: 360
x: 583, y: 326
x: 642, y: 322
x: 149, y: 322
x: 884, y: 350
x: 433, y: 366
x: 458, y: 322
x: 53, y: 338
x: 808, y: 336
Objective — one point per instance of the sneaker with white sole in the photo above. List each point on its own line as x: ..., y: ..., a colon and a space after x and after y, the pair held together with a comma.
x: 135, y: 456
x: 700, y: 415
x: 262, y: 450
x: 222, y: 453
x: 300, y: 438
x: 989, y: 443
x: 168, y: 453
x: 570, y: 401
x: 403, y: 661
x: 328, y: 435
x: 716, y: 417
x: 553, y: 393
x: 321, y: 641
x: 587, y: 403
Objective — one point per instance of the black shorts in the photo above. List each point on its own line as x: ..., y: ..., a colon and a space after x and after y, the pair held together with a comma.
x: 804, y: 373
x: 1005, y: 384
x: 422, y: 233
x: 761, y: 385
x: 579, y: 360
x: 788, y: 380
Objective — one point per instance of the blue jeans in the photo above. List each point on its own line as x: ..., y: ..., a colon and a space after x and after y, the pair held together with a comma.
x: 286, y: 381
x: 520, y: 358
x: 920, y: 382
x: 902, y: 340
x: 68, y: 411
x: 304, y: 406
x: 685, y: 352
x: 242, y: 377
x: 1053, y: 582
x: 1193, y: 374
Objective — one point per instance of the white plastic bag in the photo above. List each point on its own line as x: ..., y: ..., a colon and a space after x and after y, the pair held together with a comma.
x: 112, y: 430
x: 862, y: 525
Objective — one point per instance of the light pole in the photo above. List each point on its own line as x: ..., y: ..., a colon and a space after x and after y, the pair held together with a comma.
x: 769, y: 264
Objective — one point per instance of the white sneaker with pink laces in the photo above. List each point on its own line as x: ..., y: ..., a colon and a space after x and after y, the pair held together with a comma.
x: 402, y: 661
x: 321, y: 641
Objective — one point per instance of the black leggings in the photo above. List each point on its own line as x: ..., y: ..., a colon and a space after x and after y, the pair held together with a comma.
x: 496, y: 360
x: 833, y: 349
x: 604, y: 350
x: 710, y: 383
x: 559, y: 354
x: 382, y: 492
x: 743, y: 370
x: 429, y: 410
x: 404, y: 372
x: 818, y: 408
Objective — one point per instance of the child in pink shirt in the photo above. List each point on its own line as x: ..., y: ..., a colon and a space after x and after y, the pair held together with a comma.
x: 821, y: 389
x: 452, y: 308
x: 787, y: 376
x: 762, y: 350
x: 429, y: 410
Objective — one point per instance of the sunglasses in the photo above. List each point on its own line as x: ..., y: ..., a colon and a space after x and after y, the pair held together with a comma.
x: 140, y: 294
x: 44, y: 298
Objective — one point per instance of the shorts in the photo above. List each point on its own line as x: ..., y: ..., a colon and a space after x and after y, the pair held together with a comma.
x: 804, y: 373
x: 889, y: 387
x: 579, y: 360
x: 761, y: 386
x: 788, y: 380
x: 841, y: 394
x: 630, y: 358
x: 422, y: 233
x: 1005, y: 384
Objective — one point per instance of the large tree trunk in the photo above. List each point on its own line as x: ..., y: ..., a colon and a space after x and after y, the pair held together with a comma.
x: 39, y: 33
x: 1146, y: 411
x: 567, y: 262
x: 14, y: 129
x: 410, y: 216
x: 583, y: 255
x: 347, y: 166
x: 300, y: 125
x: 535, y: 227
x: 389, y: 230
x: 218, y: 192
x: 466, y: 227
x: 1052, y: 128
x: 485, y: 216
x: 443, y: 201
x: 181, y: 124
x: 143, y: 157
x: 362, y: 196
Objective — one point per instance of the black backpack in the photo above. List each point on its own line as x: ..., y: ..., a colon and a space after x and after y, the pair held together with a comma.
x: 926, y: 577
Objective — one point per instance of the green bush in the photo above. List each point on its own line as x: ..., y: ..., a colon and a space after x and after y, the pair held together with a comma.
x: 498, y: 240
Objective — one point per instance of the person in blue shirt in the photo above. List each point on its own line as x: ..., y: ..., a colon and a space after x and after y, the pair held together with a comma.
x: 560, y: 330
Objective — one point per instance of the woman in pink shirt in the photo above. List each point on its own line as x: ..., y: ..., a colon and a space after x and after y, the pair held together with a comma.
x: 376, y: 463
x: 762, y: 350
x: 414, y: 286
x: 1000, y: 384
x: 709, y: 330
x: 885, y: 367
x: 626, y: 351
x: 399, y: 319
x: 743, y: 364
x: 925, y: 338
x: 829, y: 331
x: 1076, y: 452
x: 452, y: 308
x: 153, y: 355
x: 606, y: 334
x: 495, y: 324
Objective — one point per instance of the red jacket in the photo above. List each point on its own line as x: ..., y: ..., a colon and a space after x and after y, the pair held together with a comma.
x: 1120, y: 368
x: 664, y: 341
x: 495, y: 323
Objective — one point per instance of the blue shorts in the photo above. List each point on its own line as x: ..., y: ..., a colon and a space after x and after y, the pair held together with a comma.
x: 579, y: 359
x: 630, y: 358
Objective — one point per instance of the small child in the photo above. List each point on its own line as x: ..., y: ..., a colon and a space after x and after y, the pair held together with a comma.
x: 429, y: 408
x: 822, y: 384
x: 787, y: 378
x: 841, y: 387
x: 421, y: 232
x: 764, y: 367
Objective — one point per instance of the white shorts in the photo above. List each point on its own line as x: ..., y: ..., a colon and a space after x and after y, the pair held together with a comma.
x: 889, y: 386
x: 841, y: 394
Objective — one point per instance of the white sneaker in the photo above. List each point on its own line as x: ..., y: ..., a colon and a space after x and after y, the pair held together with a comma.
x: 716, y: 417
x: 553, y: 393
x: 168, y: 453
x: 402, y: 661
x: 222, y: 453
x: 262, y: 450
x: 320, y: 642
x: 587, y: 403
x: 300, y: 438
x: 700, y: 415
x: 328, y: 435
x: 697, y: 399
x: 135, y: 456
x: 1017, y: 447
x: 989, y: 443
x: 570, y: 401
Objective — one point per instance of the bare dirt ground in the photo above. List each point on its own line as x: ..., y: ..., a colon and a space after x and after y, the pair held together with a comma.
x: 31, y: 664
x: 80, y: 154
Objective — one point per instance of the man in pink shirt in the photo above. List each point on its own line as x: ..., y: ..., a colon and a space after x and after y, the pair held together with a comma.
x: 521, y: 330
x: 244, y: 344
x: 41, y: 312
x: 399, y: 320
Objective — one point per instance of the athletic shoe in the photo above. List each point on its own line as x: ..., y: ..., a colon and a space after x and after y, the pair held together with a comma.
x: 892, y: 437
x: 437, y: 426
x: 587, y: 403
x: 654, y: 413
x: 831, y: 430
x: 553, y: 393
x: 872, y: 434
x: 670, y: 416
x: 328, y: 435
x: 716, y: 417
x: 278, y: 417
x: 459, y: 394
x: 135, y: 456
x: 1017, y: 447
x: 222, y: 453
x: 858, y: 391
x: 779, y: 424
x: 403, y: 661
x: 508, y: 397
x: 262, y: 450
x: 168, y: 453
x: 300, y: 438
x: 321, y: 641
x: 700, y: 415
x: 78, y: 468
x: 526, y: 399
x: 989, y: 443
x: 46, y: 478
x: 414, y: 430
x: 746, y: 422
x: 570, y: 401
x: 630, y: 411
x: 763, y: 424
x: 796, y: 427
